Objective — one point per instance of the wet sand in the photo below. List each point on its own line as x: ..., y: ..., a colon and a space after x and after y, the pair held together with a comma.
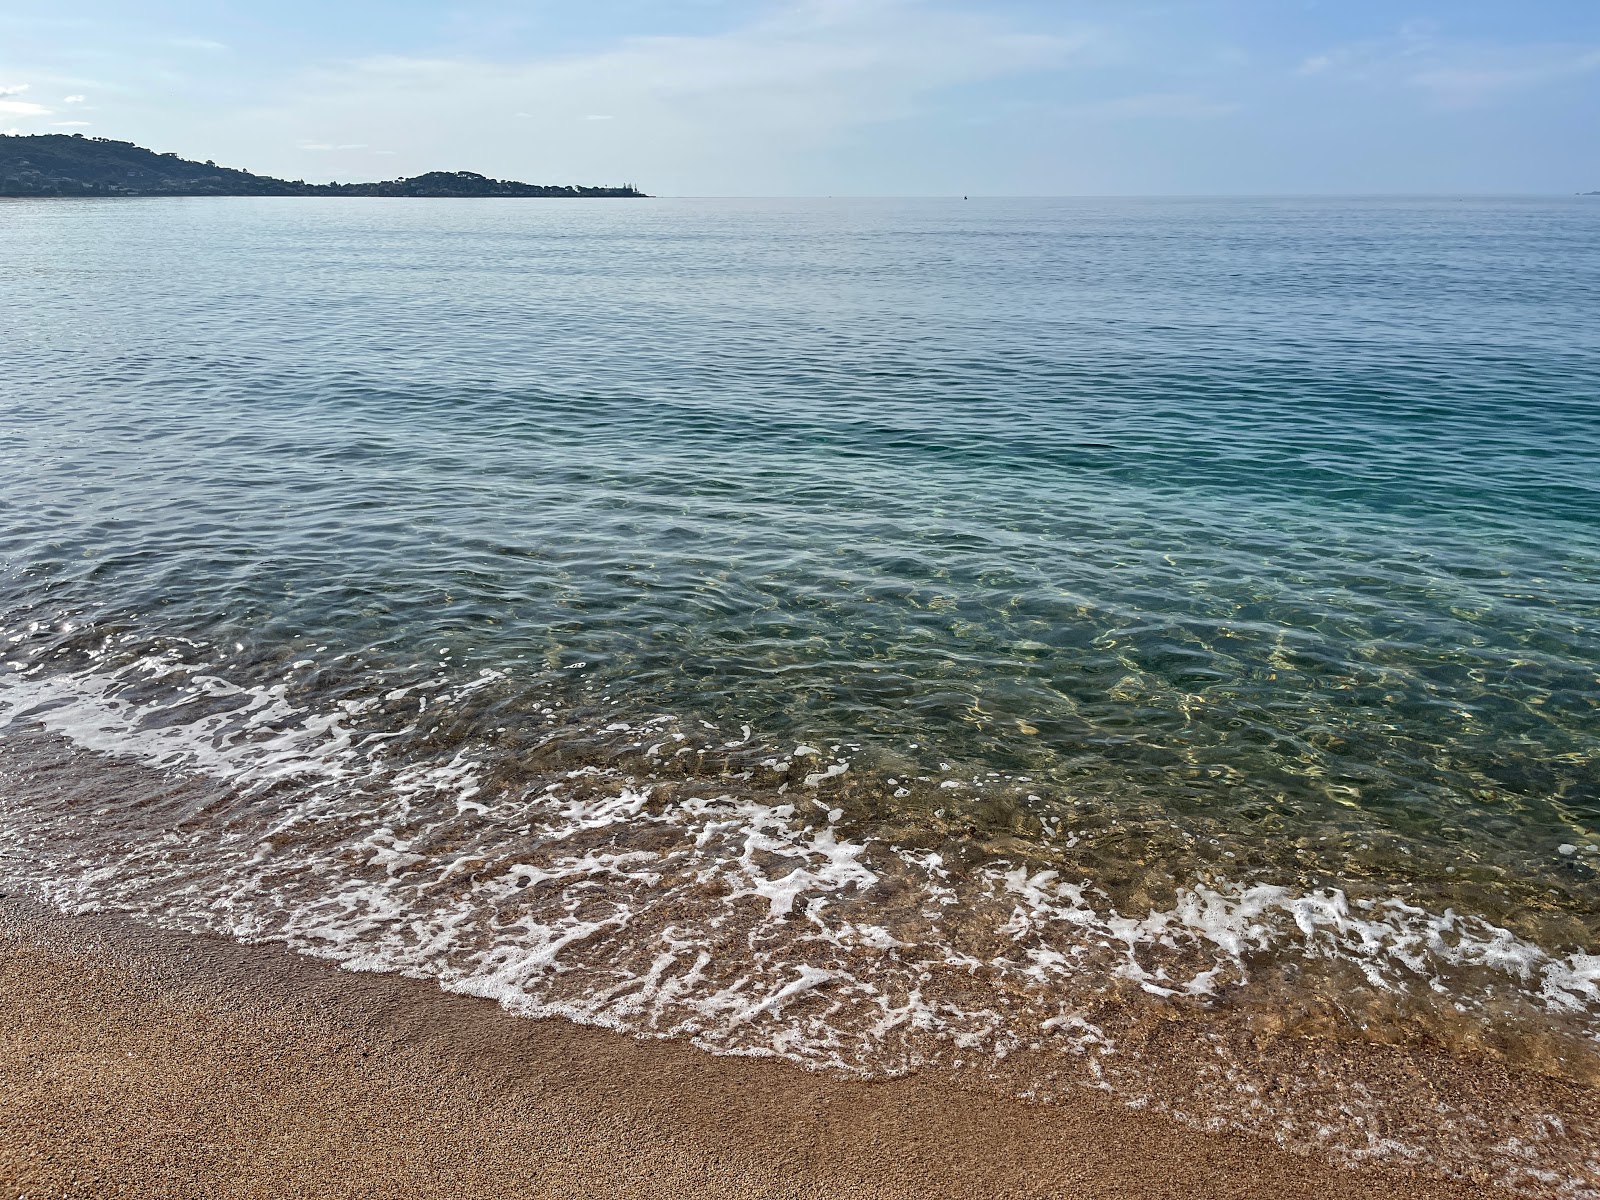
x: 143, y: 1064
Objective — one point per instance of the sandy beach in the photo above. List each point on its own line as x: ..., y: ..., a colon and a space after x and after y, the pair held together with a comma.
x: 145, y: 1064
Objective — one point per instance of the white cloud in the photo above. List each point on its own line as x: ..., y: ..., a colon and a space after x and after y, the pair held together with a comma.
x: 23, y: 108
x: 1375, y: 57
x: 10, y: 106
x: 720, y: 108
x: 73, y: 99
x: 1183, y: 106
x: 1451, y: 74
x: 599, y: 117
x: 69, y: 124
x: 1480, y: 79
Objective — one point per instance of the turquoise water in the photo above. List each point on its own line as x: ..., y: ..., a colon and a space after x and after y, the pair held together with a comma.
x: 1281, y: 510
x: 1256, y: 538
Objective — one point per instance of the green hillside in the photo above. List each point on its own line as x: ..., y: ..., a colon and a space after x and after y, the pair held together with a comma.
x: 58, y: 164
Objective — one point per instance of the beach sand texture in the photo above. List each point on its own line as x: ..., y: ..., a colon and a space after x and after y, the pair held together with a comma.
x: 146, y: 1064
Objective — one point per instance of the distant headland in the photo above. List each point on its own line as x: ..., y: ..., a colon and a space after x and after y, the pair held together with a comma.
x: 59, y: 164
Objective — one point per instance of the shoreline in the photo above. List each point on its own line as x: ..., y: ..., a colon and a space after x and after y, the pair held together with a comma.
x: 146, y: 1063
x: 1145, y: 1075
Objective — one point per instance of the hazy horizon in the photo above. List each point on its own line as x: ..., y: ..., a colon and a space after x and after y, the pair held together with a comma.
x: 894, y: 98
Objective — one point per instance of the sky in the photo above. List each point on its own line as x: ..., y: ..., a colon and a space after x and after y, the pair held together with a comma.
x: 836, y: 97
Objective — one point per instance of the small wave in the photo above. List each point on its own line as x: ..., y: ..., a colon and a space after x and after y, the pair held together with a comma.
x: 738, y: 908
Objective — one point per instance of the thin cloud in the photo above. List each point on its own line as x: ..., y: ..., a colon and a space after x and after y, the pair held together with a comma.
x: 23, y: 108
x: 720, y: 107
x: 69, y: 124
x: 1451, y: 74
x: 73, y: 99
x: 1182, y: 106
x: 1479, y: 82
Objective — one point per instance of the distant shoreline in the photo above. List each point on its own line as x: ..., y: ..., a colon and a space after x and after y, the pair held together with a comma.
x: 284, y: 196
x: 71, y: 165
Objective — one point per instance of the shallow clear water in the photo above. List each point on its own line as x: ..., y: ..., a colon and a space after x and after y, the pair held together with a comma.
x: 1159, y: 543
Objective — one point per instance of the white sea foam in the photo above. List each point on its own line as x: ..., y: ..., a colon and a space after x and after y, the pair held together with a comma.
x: 749, y: 926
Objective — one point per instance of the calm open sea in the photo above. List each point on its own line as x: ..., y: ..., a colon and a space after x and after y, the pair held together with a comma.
x: 873, y: 632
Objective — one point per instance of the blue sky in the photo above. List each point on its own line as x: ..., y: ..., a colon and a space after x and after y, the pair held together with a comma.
x: 866, y: 97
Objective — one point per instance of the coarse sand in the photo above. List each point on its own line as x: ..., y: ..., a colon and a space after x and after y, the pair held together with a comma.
x: 136, y: 1063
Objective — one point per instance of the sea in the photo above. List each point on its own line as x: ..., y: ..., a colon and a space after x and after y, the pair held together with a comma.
x: 1150, y: 645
